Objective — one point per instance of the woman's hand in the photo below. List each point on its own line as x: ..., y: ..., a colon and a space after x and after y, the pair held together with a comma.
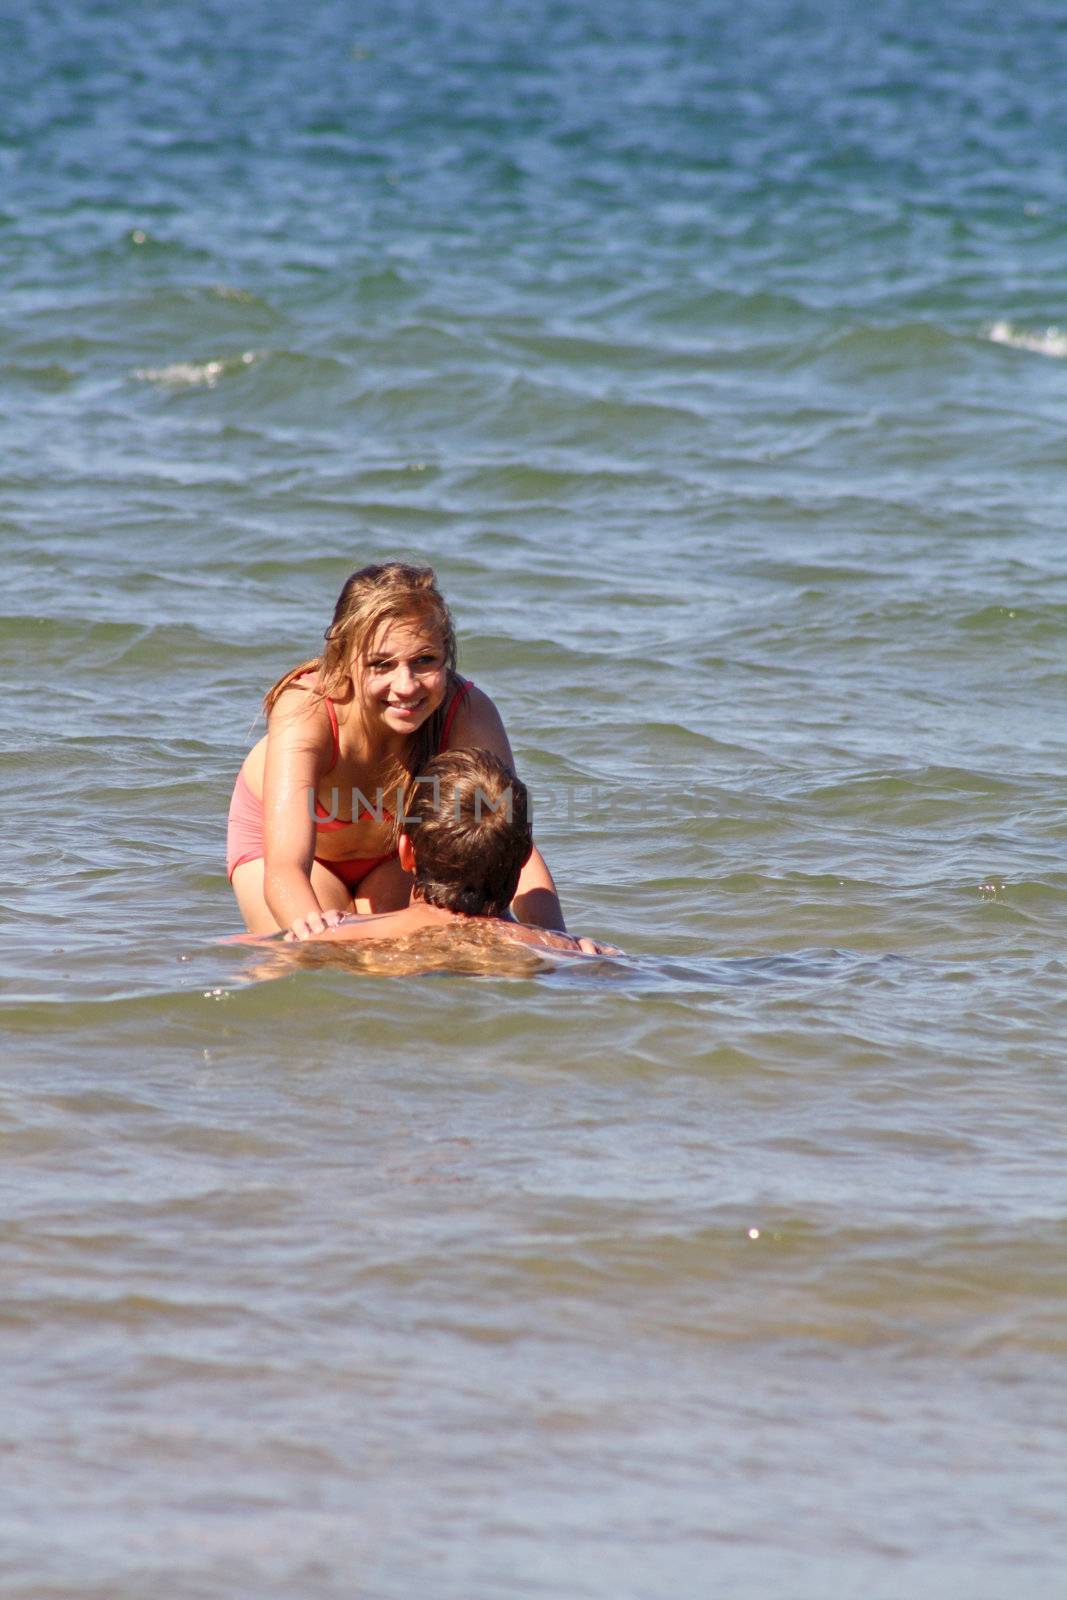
x: 311, y: 926
x: 592, y: 947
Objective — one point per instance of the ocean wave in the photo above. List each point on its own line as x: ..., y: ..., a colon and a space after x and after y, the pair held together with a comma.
x: 863, y: 349
x: 1050, y: 341
x: 196, y: 374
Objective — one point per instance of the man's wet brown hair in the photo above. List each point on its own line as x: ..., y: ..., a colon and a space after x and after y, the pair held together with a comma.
x: 468, y: 818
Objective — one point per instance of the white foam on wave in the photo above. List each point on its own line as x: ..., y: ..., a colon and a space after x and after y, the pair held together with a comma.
x: 1049, y: 341
x: 195, y: 374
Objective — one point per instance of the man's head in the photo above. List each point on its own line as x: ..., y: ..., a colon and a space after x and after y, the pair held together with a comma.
x: 466, y: 833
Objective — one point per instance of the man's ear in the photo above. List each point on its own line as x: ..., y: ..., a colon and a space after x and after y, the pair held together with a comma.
x: 406, y: 852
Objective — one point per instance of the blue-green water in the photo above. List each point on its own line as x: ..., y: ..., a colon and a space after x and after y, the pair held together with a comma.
x: 715, y: 358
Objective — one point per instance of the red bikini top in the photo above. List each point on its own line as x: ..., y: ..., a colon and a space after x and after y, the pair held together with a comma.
x: 323, y: 820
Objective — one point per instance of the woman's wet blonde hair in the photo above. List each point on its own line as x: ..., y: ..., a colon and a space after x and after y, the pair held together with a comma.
x: 370, y: 599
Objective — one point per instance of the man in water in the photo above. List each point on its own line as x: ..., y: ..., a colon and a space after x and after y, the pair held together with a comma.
x: 465, y: 836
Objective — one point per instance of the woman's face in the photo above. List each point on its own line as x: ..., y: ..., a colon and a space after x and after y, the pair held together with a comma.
x: 402, y: 677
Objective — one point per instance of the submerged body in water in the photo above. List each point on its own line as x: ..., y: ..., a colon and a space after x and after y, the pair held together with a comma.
x: 419, y: 917
x: 396, y: 944
x: 469, y: 841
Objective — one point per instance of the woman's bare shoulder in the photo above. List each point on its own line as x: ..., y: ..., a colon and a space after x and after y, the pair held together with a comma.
x: 479, y: 725
x: 300, y: 706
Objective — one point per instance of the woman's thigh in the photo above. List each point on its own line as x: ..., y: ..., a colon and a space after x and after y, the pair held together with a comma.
x: 247, y: 881
x: 387, y: 887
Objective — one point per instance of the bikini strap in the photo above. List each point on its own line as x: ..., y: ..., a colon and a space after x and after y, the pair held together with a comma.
x: 450, y: 715
x: 331, y: 710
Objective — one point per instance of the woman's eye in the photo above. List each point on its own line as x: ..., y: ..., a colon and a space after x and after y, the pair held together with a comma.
x: 419, y: 663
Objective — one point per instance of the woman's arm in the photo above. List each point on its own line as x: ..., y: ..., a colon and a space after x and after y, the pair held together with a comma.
x: 536, y: 900
x: 478, y: 726
x: 299, y: 751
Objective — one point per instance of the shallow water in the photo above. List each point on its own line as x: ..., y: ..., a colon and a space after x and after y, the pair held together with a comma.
x: 716, y: 362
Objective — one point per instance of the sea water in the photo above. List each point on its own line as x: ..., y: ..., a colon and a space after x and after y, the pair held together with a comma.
x: 714, y: 356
